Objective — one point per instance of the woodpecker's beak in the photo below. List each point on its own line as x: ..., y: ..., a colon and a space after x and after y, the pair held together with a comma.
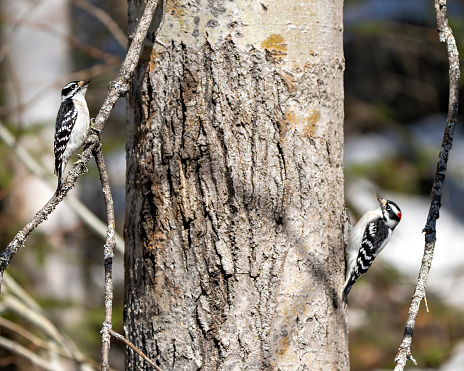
x: 382, y: 201
x: 83, y: 83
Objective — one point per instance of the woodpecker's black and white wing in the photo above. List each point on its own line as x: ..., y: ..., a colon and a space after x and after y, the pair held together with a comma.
x: 376, y: 236
x: 65, y: 121
x: 72, y: 124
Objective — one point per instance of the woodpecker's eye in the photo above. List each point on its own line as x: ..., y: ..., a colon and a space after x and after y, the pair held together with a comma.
x: 388, y: 207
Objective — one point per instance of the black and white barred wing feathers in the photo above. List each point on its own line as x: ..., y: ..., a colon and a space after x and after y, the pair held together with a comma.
x: 376, y: 236
x: 65, y: 121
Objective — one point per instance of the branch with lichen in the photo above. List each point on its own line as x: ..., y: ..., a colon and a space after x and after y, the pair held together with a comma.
x: 87, y: 216
x: 118, y: 88
x: 107, y: 257
x: 446, y: 36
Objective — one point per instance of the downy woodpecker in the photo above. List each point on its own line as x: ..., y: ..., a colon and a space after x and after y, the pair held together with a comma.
x: 370, y: 235
x: 72, y: 124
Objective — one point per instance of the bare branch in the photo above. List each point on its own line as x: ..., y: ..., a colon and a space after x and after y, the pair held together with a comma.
x: 446, y: 36
x: 38, y: 342
x: 84, y: 74
x: 13, y: 29
x: 108, y: 257
x: 18, y: 301
x: 17, y: 91
x: 120, y: 85
x: 87, y: 216
x: 71, y: 40
x: 26, y: 353
x: 105, y: 19
x: 13, y: 288
x: 134, y: 348
x: 36, y: 319
x: 160, y: 26
x: 118, y: 88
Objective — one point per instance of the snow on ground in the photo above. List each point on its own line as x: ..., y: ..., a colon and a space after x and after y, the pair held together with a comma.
x: 406, y: 247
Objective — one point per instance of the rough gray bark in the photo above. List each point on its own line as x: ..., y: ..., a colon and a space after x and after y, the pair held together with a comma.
x: 234, y: 242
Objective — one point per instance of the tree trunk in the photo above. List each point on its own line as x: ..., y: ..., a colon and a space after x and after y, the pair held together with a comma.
x: 234, y: 243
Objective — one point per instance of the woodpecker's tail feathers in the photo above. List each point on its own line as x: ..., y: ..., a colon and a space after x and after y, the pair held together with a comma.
x: 59, y: 172
x: 347, y: 288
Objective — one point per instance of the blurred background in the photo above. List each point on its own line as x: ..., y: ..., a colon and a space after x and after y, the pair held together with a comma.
x: 396, y: 96
x: 44, y: 45
x: 396, y: 102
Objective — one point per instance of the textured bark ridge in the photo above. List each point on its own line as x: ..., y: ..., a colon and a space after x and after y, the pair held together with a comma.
x: 234, y: 213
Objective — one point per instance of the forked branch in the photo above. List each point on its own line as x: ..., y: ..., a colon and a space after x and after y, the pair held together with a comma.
x: 118, y: 88
x: 446, y: 36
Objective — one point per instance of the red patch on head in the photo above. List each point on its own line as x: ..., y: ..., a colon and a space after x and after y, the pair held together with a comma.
x: 399, y: 215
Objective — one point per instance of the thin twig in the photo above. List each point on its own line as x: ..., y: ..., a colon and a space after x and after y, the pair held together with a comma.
x: 12, y: 32
x: 118, y: 88
x: 446, y: 36
x: 69, y: 39
x: 26, y: 353
x: 13, y: 288
x: 38, y: 320
x: 38, y: 342
x: 105, y: 19
x: 134, y: 348
x: 84, y: 74
x: 426, y: 305
x: 41, y: 343
x: 18, y: 301
x: 108, y: 257
x: 164, y: 4
x: 120, y: 85
x: 17, y: 92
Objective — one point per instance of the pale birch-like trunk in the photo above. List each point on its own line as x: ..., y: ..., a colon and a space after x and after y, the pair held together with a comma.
x: 234, y: 243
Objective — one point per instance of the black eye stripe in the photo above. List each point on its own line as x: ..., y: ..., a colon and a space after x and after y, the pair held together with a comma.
x: 66, y: 90
x: 395, y: 217
x: 69, y: 88
x: 392, y: 207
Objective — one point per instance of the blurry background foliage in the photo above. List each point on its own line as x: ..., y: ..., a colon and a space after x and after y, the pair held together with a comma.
x: 396, y: 96
x: 61, y: 266
x: 396, y: 101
